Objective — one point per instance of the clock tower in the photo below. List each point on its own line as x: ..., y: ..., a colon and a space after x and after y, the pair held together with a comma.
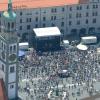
x: 9, y: 52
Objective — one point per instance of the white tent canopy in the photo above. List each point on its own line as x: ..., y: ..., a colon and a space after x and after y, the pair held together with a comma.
x: 89, y: 37
x: 82, y: 47
x: 65, y: 41
x: 48, y: 31
x: 23, y: 45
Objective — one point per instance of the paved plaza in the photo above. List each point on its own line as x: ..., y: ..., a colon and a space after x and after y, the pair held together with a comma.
x: 38, y: 79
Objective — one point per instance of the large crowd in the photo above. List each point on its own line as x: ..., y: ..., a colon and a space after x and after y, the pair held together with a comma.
x: 38, y: 72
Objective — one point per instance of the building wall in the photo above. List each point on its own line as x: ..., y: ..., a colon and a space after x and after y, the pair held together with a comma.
x: 11, y: 90
x: 67, y: 18
x: 79, y: 16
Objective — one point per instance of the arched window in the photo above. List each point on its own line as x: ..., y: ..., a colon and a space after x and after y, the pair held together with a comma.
x: 2, y: 44
x: 2, y: 67
x: 14, y: 48
x: 10, y: 49
x: 8, y: 25
x: 12, y: 25
x: 74, y: 31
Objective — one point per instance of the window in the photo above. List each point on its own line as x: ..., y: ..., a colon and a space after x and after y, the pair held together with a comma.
x: 12, y: 69
x: 53, y: 10
x: 80, y: 7
x: 70, y: 22
x: 28, y: 20
x: 78, y: 15
x: 8, y: 25
x: 21, y: 13
x: 96, y: 6
x: 51, y: 17
x: 20, y: 20
x: 0, y: 14
x: 87, y: 14
x: 77, y: 8
x: 54, y: 17
x: 62, y: 23
x: 94, y: 14
x: 28, y: 27
x: 4, y: 46
x: 10, y: 49
x: 63, y: 9
x: 44, y: 12
x: 14, y: 47
x: 78, y: 22
x: 36, y: 19
x: 70, y: 8
x: 11, y: 86
x: 44, y: 18
x: 36, y: 26
x: 94, y: 20
x: 0, y: 25
x: 2, y: 67
x: 20, y: 27
x: 70, y: 15
x: 93, y: 6
x: 44, y: 25
x: 62, y: 31
x: 87, y: 7
x: 86, y: 21
x: 12, y: 25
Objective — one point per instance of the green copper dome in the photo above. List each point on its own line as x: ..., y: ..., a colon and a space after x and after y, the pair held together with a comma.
x: 10, y: 15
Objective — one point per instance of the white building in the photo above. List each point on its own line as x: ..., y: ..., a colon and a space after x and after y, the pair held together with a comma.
x: 89, y: 39
x: 71, y: 16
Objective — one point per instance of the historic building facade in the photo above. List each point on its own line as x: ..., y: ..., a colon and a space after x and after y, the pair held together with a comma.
x: 80, y: 16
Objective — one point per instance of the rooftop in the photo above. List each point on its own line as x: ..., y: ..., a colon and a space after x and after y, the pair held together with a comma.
x: 9, y: 15
x: 48, y: 31
x: 18, y: 4
x: 89, y: 37
x: 23, y: 44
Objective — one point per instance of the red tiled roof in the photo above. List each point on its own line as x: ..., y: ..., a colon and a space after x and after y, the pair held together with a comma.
x: 38, y: 3
x: 2, y: 91
x: 83, y: 1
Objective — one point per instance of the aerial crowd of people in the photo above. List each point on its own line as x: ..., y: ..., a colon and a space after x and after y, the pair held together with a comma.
x: 38, y: 73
